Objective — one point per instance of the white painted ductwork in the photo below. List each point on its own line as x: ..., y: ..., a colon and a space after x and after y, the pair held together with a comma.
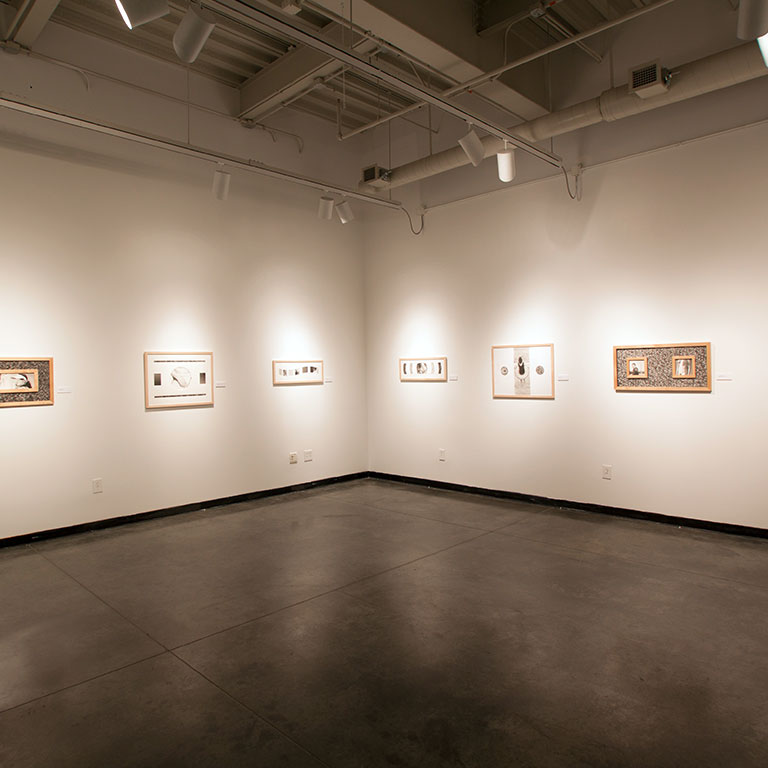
x: 712, y: 73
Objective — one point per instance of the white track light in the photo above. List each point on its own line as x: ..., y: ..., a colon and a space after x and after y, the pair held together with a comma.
x: 473, y: 147
x: 221, y: 181
x: 344, y: 212
x: 325, y: 209
x: 506, y: 163
x: 753, y: 19
x: 193, y: 31
x: 138, y: 12
x: 763, y: 43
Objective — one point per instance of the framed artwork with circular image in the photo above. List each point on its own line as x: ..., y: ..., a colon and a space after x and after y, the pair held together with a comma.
x: 526, y: 371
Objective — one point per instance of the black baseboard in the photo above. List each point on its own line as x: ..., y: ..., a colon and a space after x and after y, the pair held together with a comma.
x: 112, y: 522
x: 682, y: 522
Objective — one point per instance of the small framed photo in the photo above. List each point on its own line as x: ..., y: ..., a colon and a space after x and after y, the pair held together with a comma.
x: 26, y: 381
x: 683, y: 367
x: 523, y: 371
x: 423, y: 368
x: 637, y: 367
x: 178, y: 379
x: 287, y: 372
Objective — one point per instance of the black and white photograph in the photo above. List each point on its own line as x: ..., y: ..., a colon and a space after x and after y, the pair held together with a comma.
x: 637, y: 368
x: 684, y: 367
x: 18, y: 380
x: 297, y: 372
x: 423, y: 368
x: 523, y: 371
x: 178, y: 379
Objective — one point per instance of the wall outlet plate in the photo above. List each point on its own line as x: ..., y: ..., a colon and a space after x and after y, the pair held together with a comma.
x: 607, y: 471
x: 307, y: 454
x: 97, y: 485
x: 293, y: 457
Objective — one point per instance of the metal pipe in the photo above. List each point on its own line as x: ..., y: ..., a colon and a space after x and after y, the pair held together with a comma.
x: 453, y: 91
x: 248, y: 15
x: 190, y: 151
x: 712, y: 73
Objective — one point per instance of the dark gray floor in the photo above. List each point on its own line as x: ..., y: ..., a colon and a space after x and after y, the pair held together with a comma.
x: 379, y: 624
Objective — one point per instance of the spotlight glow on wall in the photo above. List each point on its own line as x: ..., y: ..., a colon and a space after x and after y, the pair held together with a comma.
x: 221, y: 181
x: 138, y: 12
x: 345, y: 212
x: 325, y: 209
x: 506, y: 163
x: 192, y: 33
x: 473, y: 147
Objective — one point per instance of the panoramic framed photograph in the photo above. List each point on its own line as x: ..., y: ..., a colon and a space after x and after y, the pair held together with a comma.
x: 637, y: 367
x: 178, y: 379
x: 26, y: 381
x: 526, y: 371
x: 667, y: 368
x: 297, y: 372
x: 423, y: 368
x: 683, y: 367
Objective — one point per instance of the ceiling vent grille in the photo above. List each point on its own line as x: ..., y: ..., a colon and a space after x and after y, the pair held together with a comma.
x: 648, y: 80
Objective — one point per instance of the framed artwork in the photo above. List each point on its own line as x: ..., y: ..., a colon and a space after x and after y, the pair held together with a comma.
x: 668, y: 368
x: 26, y: 381
x: 297, y: 372
x: 683, y: 367
x: 423, y: 368
x: 178, y: 379
x: 524, y: 371
x: 637, y: 367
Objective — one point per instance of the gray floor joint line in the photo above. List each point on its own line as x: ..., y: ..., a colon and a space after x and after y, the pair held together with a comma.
x: 256, y: 714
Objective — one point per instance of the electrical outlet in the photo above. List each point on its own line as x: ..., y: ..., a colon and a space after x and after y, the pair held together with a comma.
x: 607, y: 471
x: 97, y: 485
x: 441, y: 455
x: 293, y: 457
x: 307, y: 454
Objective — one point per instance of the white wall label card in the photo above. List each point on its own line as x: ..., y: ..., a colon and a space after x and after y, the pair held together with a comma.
x: 423, y: 368
x: 221, y: 385
x: 63, y: 390
x: 297, y: 372
x: 563, y: 377
x: 724, y: 377
x: 178, y: 379
x: 453, y: 377
x: 524, y: 371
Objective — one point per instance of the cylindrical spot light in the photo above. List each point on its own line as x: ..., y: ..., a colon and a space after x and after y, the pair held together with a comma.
x: 753, y: 19
x: 325, y: 209
x: 221, y: 181
x: 344, y: 212
x: 473, y: 147
x: 138, y: 12
x: 193, y: 31
x: 506, y: 164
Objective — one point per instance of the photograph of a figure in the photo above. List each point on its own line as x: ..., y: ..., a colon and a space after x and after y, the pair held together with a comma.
x: 423, y: 368
x: 523, y: 371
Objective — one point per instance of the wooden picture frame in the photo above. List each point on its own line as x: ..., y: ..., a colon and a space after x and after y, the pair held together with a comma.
x: 523, y: 371
x: 423, y: 368
x: 26, y: 381
x: 297, y: 372
x: 637, y: 367
x: 693, y: 372
x: 683, y: 367
x: 178, y: 379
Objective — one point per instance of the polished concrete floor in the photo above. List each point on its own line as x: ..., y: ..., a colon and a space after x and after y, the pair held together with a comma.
x: 379, y: 624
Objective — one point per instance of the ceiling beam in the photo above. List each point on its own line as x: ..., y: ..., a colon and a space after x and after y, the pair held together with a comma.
x: 31, y: 17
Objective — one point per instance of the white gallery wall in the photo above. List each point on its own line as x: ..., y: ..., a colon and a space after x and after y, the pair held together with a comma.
x: 100, y: 264
x: 666, y: 247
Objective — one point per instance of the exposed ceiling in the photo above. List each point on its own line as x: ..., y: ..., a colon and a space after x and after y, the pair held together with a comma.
x: 414, y: 48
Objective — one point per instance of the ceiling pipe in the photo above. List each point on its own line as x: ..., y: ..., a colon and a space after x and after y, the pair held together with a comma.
x: 494, y: 74
x: 712, y: 73
x: 265, y: 18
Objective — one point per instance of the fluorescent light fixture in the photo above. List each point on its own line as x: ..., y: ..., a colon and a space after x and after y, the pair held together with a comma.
x: 192, y: 33
x: 763, y: 43
x: 473, y: 147
x: 753, y: 19
x: 344, y: 212
x: 506, y: 163
x: 325, y: 209
x: 138, y: 12
x: 221, y: 181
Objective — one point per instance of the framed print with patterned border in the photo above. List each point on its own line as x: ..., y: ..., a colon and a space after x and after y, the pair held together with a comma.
x: 669, y: 368
x: 26, y: 381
